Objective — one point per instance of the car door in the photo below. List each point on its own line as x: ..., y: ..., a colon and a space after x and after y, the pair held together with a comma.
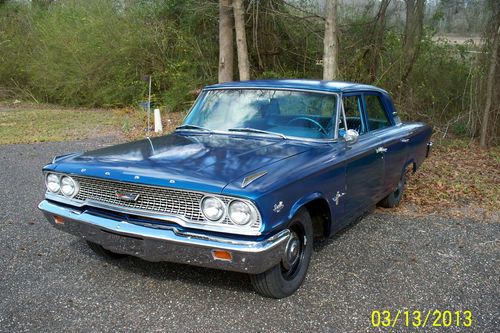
x: 394, y: 143
x: 364, y: 165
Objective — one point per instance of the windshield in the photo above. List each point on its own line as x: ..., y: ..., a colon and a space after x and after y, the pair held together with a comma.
x: 265, y: 112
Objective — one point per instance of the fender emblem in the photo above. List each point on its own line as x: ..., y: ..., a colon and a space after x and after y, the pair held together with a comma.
x: 129, y: 197
x: 337, y: 197
x: 278, y: 207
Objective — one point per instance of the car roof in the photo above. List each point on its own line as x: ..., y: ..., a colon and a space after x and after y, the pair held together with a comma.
x: 302, y: 84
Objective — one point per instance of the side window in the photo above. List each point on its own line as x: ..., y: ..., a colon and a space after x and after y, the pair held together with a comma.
x: 352, y: 107
x: 375, y: 111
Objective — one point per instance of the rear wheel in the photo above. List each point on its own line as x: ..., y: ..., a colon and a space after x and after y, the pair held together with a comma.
x: 394, y: 199
x: 285, y: 278
x: 99, y: 250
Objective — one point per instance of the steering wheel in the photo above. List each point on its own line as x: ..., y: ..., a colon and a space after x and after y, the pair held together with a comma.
x: 320, y: 127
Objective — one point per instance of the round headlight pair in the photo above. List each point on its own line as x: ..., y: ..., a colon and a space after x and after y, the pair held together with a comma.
x: 213, y: 208
x: 53, y: 183
x: 239, y: 212
x: 65, y: 185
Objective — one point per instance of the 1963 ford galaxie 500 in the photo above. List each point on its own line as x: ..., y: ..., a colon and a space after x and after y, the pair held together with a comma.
x: 257, y: 170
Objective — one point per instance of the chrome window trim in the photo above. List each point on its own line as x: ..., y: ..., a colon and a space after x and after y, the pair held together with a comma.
x: 337, y: 117
x: 317, y: 91
x: 258, y: 135
x: 179, y: 219
x: 297, y: 138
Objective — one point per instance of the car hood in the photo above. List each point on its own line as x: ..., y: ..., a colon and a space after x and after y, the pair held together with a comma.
x: 205, y: 162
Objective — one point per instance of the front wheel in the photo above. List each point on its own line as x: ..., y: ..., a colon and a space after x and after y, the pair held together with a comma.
x: 285, y: 278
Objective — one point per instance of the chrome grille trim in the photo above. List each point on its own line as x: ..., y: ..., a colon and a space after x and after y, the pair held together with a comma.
x: 163, y: 203
x: 161, y: 200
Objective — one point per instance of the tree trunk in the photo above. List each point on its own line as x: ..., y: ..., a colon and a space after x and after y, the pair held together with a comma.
x: 241, y: 40
x: 412, y: 36
x: 330, y: 42
x: 483, y: 141
x: 378, y: 39
x: 225, y: 41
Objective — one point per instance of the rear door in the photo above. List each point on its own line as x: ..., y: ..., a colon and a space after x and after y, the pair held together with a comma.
x: 393, y: 144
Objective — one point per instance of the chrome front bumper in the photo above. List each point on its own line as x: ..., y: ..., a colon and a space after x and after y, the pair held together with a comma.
x: 168, y: 243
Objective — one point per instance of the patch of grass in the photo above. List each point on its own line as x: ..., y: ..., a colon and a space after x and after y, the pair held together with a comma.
x: 28, y: 125
x: 31, y: 123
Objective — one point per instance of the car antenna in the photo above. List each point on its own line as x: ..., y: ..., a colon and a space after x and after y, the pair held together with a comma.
x: 148, y: 79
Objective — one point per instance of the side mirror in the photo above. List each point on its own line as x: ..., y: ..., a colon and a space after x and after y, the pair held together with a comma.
x: 351, y: 136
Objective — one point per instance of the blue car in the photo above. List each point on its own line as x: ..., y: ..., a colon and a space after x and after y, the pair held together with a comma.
x: 255, y: 174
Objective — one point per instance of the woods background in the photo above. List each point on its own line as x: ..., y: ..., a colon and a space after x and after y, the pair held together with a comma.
x: 95, y: 53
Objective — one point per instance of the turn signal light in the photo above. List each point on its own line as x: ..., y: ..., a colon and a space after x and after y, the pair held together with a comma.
x: 58, y: 219
x: 222, y: 255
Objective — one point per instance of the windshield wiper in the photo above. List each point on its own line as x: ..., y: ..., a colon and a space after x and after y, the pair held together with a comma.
x: 195, y: 127
x: 254, y: 130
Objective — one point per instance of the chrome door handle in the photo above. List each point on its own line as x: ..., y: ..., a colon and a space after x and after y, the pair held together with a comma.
x: 405, y: 140
x: 380, y: 150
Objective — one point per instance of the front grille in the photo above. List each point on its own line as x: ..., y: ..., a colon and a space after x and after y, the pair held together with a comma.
x: 169, y: 201
x: 153, y: 199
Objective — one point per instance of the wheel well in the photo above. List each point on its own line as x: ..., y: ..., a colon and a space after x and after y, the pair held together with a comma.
x: 410, y: 167
x: 319, y: 210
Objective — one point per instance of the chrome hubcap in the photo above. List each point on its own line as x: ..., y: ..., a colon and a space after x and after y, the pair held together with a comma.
x: 292, y: 251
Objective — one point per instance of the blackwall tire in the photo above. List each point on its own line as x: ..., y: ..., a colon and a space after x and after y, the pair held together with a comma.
x: 285, y: 278
x: 394, y: 199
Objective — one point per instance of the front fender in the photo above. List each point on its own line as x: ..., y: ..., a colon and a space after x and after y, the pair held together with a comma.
x: 304, y: 201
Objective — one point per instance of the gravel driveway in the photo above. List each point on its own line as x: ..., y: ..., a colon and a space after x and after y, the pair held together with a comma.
x: 51, y: 281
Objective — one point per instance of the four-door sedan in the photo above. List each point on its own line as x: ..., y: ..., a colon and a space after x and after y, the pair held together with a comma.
x: 257, y: 170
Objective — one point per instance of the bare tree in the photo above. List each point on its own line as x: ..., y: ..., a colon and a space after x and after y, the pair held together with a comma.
x: 225, y: 41
x: 330, y: 42
x: 241, y: 40
x: 483, y: 141
x: 378, y: 39
x: 415, y: 10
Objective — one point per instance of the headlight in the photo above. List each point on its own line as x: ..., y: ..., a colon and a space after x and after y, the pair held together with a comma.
x: 68, y: 186
x: 52, y: 182
x: 241, y: 213
x: 212, y: 208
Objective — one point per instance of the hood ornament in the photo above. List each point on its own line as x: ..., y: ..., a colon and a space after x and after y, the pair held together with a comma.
x: 251, y: 178
x: 129, y: 197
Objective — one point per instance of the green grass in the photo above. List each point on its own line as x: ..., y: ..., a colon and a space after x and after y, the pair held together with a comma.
x: 29, y: 125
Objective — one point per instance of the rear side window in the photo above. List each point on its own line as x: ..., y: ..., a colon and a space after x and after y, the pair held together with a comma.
x: 377, y: 117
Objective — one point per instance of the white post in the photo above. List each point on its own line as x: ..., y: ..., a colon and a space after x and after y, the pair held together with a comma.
x: 158, y: 125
